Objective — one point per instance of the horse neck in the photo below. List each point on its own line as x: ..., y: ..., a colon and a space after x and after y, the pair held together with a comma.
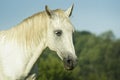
x: 32, y: 31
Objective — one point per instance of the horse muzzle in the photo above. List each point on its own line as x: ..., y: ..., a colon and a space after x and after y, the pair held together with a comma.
x: 69, y: 63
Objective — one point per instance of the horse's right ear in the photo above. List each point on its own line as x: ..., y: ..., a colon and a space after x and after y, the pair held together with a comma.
x: 68, y: 12
x: 48, y: 11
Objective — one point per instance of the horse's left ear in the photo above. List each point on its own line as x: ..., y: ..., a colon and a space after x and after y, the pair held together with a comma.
x: 68, y: 12
x: 48, y: 11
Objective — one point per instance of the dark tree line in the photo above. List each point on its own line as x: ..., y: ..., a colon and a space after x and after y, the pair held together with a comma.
x: 99, y: 59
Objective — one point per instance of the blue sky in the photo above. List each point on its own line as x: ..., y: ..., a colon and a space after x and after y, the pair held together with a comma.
x: 96, y: 16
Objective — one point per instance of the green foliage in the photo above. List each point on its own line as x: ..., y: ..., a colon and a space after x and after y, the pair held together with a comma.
x: 98, y: 56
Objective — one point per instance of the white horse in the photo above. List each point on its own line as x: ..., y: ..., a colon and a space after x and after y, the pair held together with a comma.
x: 22, y: 45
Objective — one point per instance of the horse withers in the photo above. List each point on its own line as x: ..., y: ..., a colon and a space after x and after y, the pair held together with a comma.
x: 22, y: 45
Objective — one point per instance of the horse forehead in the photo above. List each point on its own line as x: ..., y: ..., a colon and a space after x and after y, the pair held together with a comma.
x: 62, y: 21
x: 67, y: 25
x: 64, y: 26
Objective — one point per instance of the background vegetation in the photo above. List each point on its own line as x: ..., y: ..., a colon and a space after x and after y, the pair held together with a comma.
x: 99, y: 59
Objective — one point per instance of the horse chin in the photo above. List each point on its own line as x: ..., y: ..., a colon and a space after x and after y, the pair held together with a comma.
x: 68, y: 68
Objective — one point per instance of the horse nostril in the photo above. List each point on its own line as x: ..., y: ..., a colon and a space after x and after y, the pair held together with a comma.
x: 69, y: 62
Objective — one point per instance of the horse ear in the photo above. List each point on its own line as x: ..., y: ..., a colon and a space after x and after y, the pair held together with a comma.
x: 68, y: 12
x: 49, y: 12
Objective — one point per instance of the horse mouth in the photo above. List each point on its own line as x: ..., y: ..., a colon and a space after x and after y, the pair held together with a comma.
x: 68, y: 67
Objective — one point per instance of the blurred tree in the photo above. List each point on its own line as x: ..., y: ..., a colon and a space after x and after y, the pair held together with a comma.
x: 108, y: 35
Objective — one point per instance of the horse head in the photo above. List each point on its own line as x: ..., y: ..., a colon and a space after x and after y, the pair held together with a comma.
x: 59, y: 38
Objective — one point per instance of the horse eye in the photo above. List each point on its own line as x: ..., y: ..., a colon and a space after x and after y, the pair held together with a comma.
x: 58, y: 32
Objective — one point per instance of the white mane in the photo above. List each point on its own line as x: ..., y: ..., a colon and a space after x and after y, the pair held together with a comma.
x: 29, y: 31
